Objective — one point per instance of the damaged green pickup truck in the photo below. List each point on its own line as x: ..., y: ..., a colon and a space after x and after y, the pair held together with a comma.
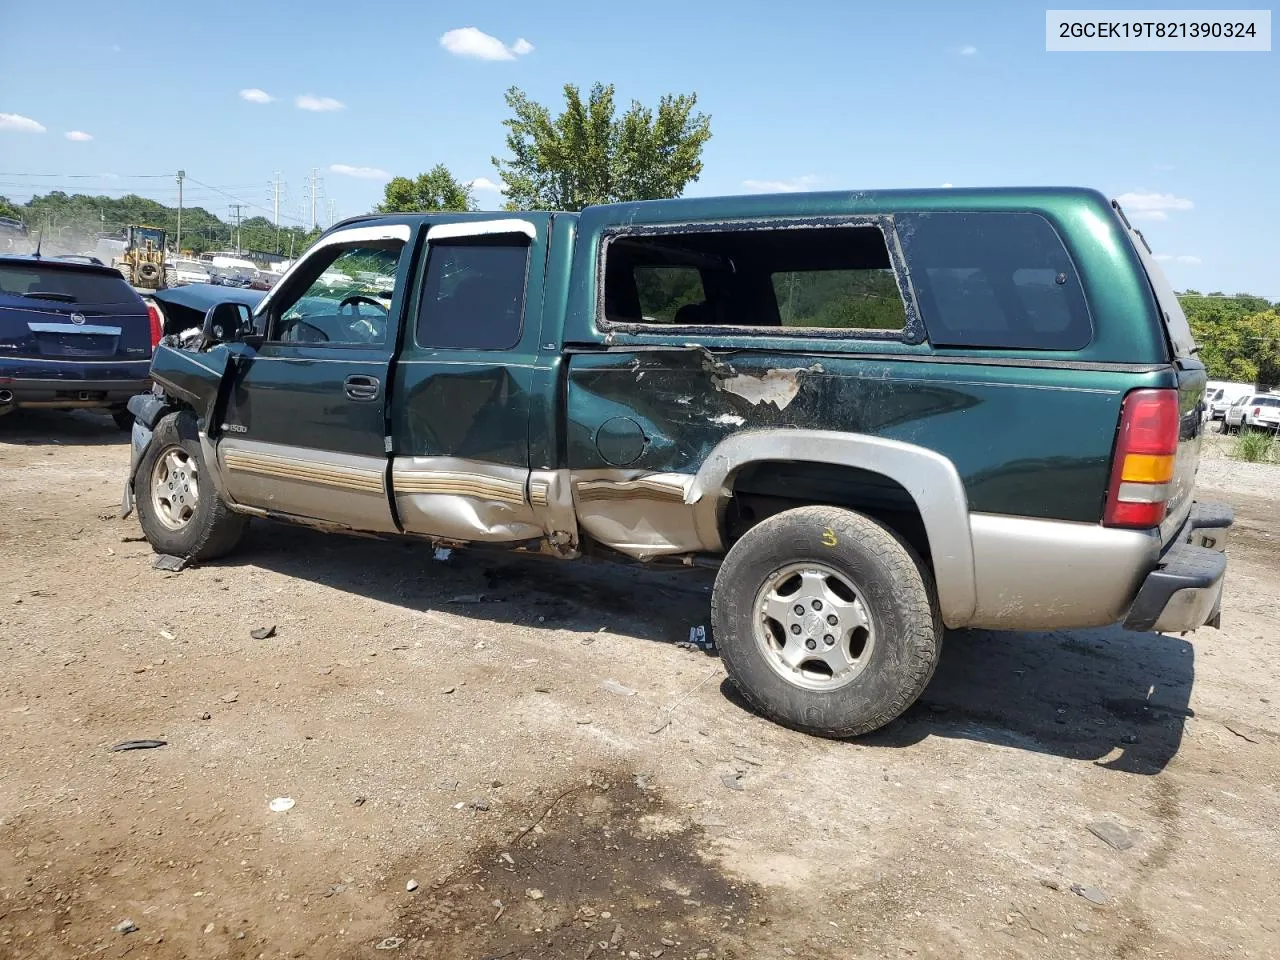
x: 882, y: 414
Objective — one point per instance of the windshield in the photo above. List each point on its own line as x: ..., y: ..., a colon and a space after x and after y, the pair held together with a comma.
x: 67, y: 286
x: 143, y: 234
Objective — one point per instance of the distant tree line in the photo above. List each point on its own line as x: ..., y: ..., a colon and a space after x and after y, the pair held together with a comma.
x: 1239, y: 336
x: 71, y: 223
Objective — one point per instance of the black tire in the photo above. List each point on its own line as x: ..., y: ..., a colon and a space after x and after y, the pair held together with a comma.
x: 123, y: 419
x: 897, y: 594
x: 212, y: 530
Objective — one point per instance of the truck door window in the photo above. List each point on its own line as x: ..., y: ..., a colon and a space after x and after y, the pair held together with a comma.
x: 473, y: 294
x: 344, y: 299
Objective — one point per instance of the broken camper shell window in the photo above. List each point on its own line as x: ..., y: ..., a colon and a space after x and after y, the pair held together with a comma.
x: 830, y: 279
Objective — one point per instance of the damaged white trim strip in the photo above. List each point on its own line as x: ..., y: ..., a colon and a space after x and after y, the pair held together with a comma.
x: 481, y: 228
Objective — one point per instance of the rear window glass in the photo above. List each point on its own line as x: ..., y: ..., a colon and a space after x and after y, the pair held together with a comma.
x: 66, y: 286
x: 1000, y: 280
x: 1266, y: 401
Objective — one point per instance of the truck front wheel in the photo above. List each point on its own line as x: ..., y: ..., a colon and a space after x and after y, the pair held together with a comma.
x: 178, y: 506
x: 826, y: 621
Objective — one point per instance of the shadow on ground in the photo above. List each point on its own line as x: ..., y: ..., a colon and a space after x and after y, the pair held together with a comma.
x: 499, y: 586
x: 1107, y: 695
x: 60, y: 427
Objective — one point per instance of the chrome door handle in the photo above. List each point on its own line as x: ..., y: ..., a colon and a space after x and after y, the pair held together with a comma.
x: 358, y: 387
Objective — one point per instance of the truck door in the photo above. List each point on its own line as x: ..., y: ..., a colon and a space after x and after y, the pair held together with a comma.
x: 463, y: 383
x: 303, y: 431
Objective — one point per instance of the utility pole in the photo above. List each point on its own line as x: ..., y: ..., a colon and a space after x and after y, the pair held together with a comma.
x: 235, y: 209
x: 276, y: 184
x: 331, y: 208
x: 312, y: 182
x: 177, y: 246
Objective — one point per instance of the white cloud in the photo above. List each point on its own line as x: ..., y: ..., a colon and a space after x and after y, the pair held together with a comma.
x: 947, y: 185
x: 17, y: 123
x: 969, y: 51
x: 363, y: 173
x: 318, y: 104
x: 1189, y: 260
x: 1147, y: 205
x: 484, y: 183
x: 807, y: 182
x: 79, y: 136
x: 254, y: 95
x: 470, y: 42
x: 1161, y: 257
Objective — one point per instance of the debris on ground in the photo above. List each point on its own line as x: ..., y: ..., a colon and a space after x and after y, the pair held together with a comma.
x: 206, y: 715
x: 281, y: 804
x: 1092, y: 894
x: 411, y: 886
x: 533, y: 893
x: 698, y: 637
x: 480, y: 805
x: 172, y: 564
x: 231, y: 696
x: 390, y: 943
x: 467, y: 598
x: 1242, y: 736
x: 1112, y: 834
x: 442, y: 553
x: 126, y: 926
x: 448, y: 690
x: 166, y: 635
x: 613, y: 686
x: 139, y: 745
x: 263, y: 633
x: 732, y: 780
x: 359, y: 801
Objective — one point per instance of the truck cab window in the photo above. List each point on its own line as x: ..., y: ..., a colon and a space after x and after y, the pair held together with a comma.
x: 344, y: 299
x: 473, y: 294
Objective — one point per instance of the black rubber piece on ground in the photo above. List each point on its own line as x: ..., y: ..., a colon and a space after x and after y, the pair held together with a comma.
x: 214, y: 531
x: 896, y: 590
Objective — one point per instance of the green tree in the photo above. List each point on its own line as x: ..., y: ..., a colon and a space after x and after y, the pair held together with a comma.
x: 588, y: 154
x: 435, y: 190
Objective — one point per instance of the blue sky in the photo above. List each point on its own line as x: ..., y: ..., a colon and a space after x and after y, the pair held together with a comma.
x: 805, y: 94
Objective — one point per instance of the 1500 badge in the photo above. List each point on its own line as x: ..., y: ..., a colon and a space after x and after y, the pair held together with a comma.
x: 234, y: 428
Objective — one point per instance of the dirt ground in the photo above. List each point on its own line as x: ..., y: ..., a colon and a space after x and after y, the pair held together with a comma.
x: 449, y: 726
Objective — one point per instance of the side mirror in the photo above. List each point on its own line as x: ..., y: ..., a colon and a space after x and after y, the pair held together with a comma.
x: 226, y: 322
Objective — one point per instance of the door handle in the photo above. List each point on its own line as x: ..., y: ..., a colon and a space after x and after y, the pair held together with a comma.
x: 359, y: 387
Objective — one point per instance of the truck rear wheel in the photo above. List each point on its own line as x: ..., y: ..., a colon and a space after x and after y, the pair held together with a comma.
x: 826, y: 621
x: 178, y: 506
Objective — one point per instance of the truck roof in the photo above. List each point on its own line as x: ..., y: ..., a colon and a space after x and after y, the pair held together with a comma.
x: 785, y: 204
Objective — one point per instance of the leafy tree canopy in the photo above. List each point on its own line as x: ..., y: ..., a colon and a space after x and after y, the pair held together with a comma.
x: 429, y: 192
x: 588, y: 154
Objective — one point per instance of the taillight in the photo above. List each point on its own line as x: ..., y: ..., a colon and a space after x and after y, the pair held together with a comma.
x: 157, y: 327
x: 1142, y: 471
x: 1257, y: 411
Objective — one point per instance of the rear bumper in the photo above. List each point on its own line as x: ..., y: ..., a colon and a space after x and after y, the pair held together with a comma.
x: 70, y: 385
x: 1184, y: 591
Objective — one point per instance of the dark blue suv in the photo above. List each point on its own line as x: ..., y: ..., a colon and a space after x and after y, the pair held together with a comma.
x: 72, y: 335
